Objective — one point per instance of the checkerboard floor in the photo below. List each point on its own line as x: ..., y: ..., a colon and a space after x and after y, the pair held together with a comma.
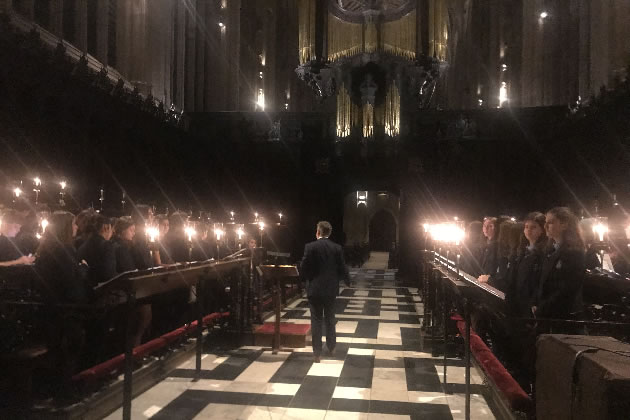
x: 382, y: 369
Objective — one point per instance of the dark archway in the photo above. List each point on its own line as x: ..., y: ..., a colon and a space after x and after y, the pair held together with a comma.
x: 382, y: 231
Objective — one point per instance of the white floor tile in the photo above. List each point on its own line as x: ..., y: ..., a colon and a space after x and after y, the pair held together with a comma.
x: 346, y: 327
x: 379, y: 416
x: 221, y: 412
x: 151, y: 411
x: 282, y: 389
x: 263, y: 368
x: 380, y: 394
x: 345, y: 415
x: 427, y: 397
x: 352, y: 393
x: 303, y: 414
x: 326, y: 368
x: 361, y: 352
x: 263, y: 413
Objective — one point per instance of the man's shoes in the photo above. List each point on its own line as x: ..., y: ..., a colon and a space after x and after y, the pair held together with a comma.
x: 317, y: 359
x: 331, y: 352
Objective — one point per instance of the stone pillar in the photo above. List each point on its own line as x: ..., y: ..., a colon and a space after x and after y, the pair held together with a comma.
x: 81, y: 11
x: 160, y: 22
x: 28, y: 9
x: 233, y: 33
x: 189, y: 63
x: 215, y: 66
x: 200, y: 56
x: 269, y: 51
x: 102, y: 22
x: 180, y: 54
x: 56, y: 17
x: 600, y: 52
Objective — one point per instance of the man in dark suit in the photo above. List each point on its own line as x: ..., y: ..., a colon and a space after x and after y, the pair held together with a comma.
x: 323, y: 266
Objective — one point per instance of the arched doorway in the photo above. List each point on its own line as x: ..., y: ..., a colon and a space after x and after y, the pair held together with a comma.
x: 382, y: 231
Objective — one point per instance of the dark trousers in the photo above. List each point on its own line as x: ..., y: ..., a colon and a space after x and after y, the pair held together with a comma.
x: 322, y: 308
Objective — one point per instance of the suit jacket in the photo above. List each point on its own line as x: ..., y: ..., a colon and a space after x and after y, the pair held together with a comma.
x: 323, y: 266
x: 560, y: 289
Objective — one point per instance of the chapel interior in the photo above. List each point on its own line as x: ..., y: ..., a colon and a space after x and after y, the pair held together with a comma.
x: 408, y: 125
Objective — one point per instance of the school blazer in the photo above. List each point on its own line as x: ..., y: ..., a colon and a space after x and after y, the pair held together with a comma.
x: 561, y: 283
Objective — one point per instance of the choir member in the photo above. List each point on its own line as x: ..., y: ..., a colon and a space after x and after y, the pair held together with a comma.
x: 560, y: 288
x: 522, y: 289
x: 62, y: 275
x: 473, y: 249
x: 98, y: 251
x: 124, y: 232
x: 176, y: 241
x: 489, y: 261
x: 10, y: 253
x: 84, y: 226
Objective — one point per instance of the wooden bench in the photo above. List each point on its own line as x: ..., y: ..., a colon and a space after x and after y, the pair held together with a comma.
x: 18, y: 370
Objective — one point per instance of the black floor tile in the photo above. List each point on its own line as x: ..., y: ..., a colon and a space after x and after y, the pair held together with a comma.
x: 403, y: 291
x: 418, y: 410
x: 422, y: 375
x: 375, y: 293
x: 294, y: 314
x: 226, y: 371
x: 343, y: 404
x: 185, y: 407
x: 315, y: 393
x: 294, y: 369
x: 366, y: 328
x: 357, y: 371
x: 372, y: 308
x: 461, y: 388
x: 191, y: 402
x: 409, y: 319
x: 408, y: 335
x: 405, y: 299
x: 341, y: 305
x: 347, y: 292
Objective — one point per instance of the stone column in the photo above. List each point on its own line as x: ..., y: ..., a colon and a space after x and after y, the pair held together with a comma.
x: 160, y: 22
x: 200, y: 56
x: 56, y: 17
x: 215, y: 66
x: 180, y: 54
x: 190, y: 53
x: 269, y: 51
x: 28, y: 9
x: 102, y: 22
x: 233, y: 45
x: 80, y: 26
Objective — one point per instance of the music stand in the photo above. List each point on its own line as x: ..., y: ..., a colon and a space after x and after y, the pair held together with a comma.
x: 278, y: 274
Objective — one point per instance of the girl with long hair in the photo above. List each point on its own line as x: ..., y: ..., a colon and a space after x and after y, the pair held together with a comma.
x: 63, y: 277
x: 560, y: 288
